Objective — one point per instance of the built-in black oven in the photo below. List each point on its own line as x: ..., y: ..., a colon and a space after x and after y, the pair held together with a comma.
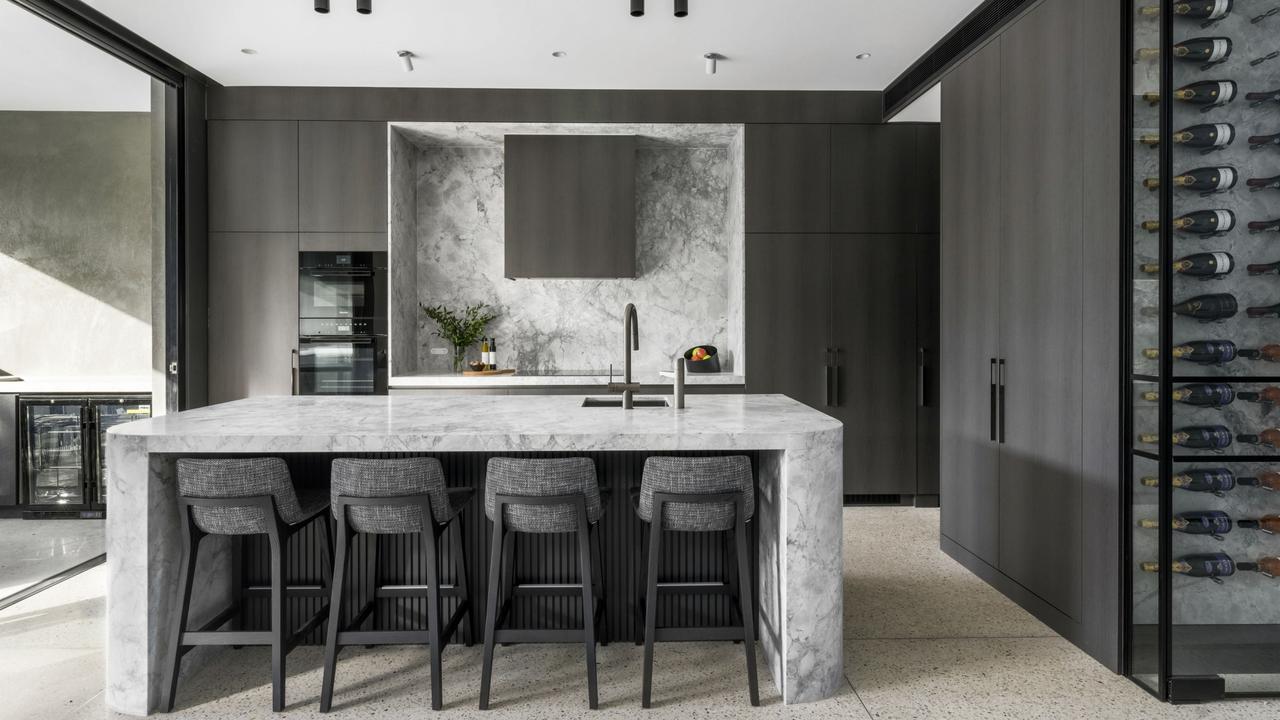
x: 342, y: 323
x: 342, y: 285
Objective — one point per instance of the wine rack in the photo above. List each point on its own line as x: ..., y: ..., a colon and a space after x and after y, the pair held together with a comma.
x: 1204, y: 342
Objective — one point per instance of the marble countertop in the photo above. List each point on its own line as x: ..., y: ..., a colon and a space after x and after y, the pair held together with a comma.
x: 125, y: 385
x: 584, y: 378
x: 482, y: 423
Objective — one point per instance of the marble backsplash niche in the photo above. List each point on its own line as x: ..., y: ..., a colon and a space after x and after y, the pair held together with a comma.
x: 688, y: 238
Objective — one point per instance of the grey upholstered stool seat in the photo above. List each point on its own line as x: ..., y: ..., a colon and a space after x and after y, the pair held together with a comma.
x: 385, y: 496
x: 697, y: 494
x: 244, y: 496
x: 539, y: 495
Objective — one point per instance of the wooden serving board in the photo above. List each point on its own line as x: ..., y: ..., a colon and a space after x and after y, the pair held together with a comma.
x: 486, y: 373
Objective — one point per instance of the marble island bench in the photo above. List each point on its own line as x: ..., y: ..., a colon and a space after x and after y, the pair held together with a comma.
x: 796, y: 452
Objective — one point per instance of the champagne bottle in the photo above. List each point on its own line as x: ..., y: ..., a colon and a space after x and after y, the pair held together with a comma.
x: 1266, y: 397
x: 1207, y: 265
x: 1208, y: 93
x: 1270, y: 183
x: 1195, y: 437
x: 1213, y: 523
x: 1207, y: 138
x: 1207, y: 50
x: 1203, y: 480
x: 1200, y: 222
x: 1208, y: 308
x: 1269, y: 481
x: 1268, y: 438
x: 493, y: 353
x: 1258, y: 226
x: 1264, y: 268
x: 1263, y: 311
x: 1269, y: 524
x: 1201, y: 352
x: 1260, y: 98
x: 1212, y: 395
x: 1210, y: 11
x: 1257, y: 142
x: 1205, y: 180
x: 1206, y: 565
x: 484, y: 353
x: 1269, y: 566
x: 1269, y: 353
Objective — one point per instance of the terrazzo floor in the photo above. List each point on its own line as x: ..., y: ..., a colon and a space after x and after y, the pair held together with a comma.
x: 923, y: 639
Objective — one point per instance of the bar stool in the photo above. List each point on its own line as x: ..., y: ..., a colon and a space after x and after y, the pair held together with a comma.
x: 243, y: 496
x: 697, y: 494
x: 543, y: 496
x: 393, y: 497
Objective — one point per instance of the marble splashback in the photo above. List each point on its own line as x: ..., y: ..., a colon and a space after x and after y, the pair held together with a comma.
x: 689, y: 248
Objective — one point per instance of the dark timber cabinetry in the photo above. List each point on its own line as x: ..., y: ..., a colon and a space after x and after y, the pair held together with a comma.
x: 1021, y: 269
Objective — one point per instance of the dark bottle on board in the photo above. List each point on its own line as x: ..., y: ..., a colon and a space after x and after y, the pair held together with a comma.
x: 1266, y: 397
x: 1269, y: 566
x: 1259, y: 226
x: 1269, y: 524
x: 1213, y: 395
x: 1207, y: 265
x: 1257, y: 99
x: 1210, y: 11
x: 1208, y: 51
x: 1213, y: 523
x: 1195, y: 437
x: 1257, y: 142
x: 1208, y: 308
x: 1203, y: 480
x: 1269, y: 480
x: 1269, y: 353
x: 1205, y: 565
x: 1264, y: 268
x: 1267, y: 438
x: 1205, y: 180
x: 1263, y: 311
x: 1208, y: 93
x: 1200, y: 222
x: 1268, y: 183
x: 1201, y: 352
x: 1207, y: 138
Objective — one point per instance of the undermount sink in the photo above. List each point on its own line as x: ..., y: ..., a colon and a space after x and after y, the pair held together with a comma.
x: 611, y: 402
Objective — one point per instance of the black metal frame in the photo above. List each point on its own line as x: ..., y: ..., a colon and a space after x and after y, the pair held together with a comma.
x: 741, y: 576
x: 181, y: 640
x: 502, y: 575
x: 339, y: 635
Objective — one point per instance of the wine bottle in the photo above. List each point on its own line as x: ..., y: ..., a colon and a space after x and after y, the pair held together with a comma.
x: 1203, y: 480
x: 1208, y: 93
x: 1200, y: 222
x: 1206, y: 180
x: 1268, y: 438
x: 1270, y: 183
x: 1195, y: 437
x: 1260, y: 98
x: 1212, y: 395
x: 1208, y: 138
x: 1208, y: 308
x: 484, y: 353
x: 1207, y: 265
x: 1201, y: 352
x: 1207, y: 50
x: 1206, y: 565
x: 1269, y: 353
x: 1211, y: 11
x: 1269, y: 524
x: 1263, y: 311
x: 493, y: 353
x: 1257, y: 142
x: 1269, y: 481
x: 1269, y: 566
x: 1213, y: 523
x: 1266, y: 397
x: 1258, y: 226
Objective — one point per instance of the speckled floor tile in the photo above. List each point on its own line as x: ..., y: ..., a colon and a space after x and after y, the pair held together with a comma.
x: 69, y: 615
x: 899, y: 584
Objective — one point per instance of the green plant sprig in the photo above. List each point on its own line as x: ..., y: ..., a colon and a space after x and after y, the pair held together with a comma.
x: 463, y: 331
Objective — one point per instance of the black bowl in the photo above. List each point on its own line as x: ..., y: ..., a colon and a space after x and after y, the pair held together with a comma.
x: 711, y: 364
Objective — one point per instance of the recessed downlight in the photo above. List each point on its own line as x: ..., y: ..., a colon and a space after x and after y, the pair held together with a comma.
x: 248, y: 51
x: 862, y: 55
x: 558, y: 53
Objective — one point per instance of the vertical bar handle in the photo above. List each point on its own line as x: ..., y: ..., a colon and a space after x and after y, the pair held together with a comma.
x: 293, y: 371
x: 991, y: 376
x: 1002, y: 413
x: 921, y: 399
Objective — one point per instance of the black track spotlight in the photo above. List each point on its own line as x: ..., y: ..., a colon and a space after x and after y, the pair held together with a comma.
x: 682, y: 8
x: 322, y: 7
x: 364, y: 7
x: 637, y: 8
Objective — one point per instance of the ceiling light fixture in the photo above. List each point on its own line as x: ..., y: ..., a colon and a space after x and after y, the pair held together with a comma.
x: 637, y: 8
x: 322, y: 7
x: 682, y: 8
x: 711, y: 59
x: 558, y: 53
x: 862, y: 56
x: 406, y: 59
x: 364, y: 7
x: 248, y: 51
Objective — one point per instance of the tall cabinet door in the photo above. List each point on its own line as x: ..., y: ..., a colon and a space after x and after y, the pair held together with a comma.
x: 873, y: 331
x: 970, y: 294
x: 1041, y: 332
x: 788, y: 316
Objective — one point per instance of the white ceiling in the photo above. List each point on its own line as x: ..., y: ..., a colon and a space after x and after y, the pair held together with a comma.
x: 768, y: 44
x: 43, y: 67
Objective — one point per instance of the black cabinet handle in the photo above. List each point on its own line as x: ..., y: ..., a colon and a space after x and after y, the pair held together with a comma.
x: 991, y: 376
x: 293, y: 372
x: 829, y: 381
x: 921, y: 399
x: 1001, y: 368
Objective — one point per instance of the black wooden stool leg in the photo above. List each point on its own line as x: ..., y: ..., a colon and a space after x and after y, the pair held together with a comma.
x: 491, y: 614
x: 331, y: 648
x: 277, y: 623
x: 651, y: 604
x: 643, y: 570
x: 463, y: 574
x: 748, y: 614
x: 433, y: 616
x: 588, y: 607
x: 186, y: 571
x: 731, y: 578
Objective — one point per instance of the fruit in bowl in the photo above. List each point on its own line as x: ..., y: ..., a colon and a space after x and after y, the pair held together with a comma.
x: 476, y: 365
x: 699, y: 354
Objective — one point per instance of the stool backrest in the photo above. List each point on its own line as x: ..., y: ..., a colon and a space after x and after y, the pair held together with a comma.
x: 236, y: 478
x: 542, y: 477
x: 390, y: 477
x: 697, y: 476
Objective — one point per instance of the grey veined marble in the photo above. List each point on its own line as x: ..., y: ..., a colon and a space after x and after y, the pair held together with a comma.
x: 799, y: 509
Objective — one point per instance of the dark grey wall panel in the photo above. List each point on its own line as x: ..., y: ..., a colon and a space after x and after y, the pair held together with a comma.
x: 8, y: 450
x: 788, y: 178
x: 253, y: 314
x: 194, y: 350
x: 874, y: 188
x: 788, y: 328
x: 337, y: 242
x: 253, y: 176
x: 342, y: 176
x: 927, y: 187
x: 928, y: 328
x: 476, y: 105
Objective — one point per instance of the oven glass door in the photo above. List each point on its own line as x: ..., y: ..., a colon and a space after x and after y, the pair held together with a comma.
x: 337, y: 366
x: 336, y: 293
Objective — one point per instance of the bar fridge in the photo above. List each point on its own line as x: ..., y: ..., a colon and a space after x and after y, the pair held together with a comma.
x: 62, y: 450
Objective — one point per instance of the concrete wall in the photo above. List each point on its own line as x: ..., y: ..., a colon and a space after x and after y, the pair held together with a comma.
x: 75, y: 243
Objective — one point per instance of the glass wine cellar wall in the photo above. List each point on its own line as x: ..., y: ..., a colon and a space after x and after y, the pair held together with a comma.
x: 1203, y: 514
